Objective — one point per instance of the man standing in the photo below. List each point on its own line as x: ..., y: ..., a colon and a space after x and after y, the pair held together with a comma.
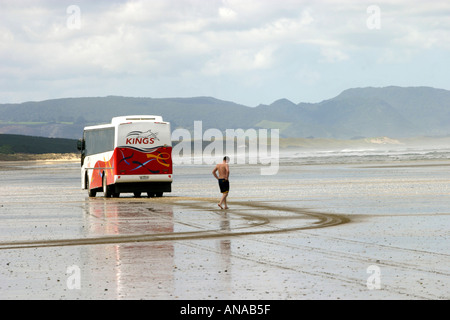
x: 224, y: 184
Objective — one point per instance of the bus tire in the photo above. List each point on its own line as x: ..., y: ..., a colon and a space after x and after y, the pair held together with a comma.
x: 158, y: 194
x: 91, y: 193
x: 137, y: 194
x: 106, y: 188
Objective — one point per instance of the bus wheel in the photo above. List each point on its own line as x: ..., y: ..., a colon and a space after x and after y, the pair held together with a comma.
x: 116, y: 194
x: 91, y: 193
x: 137, y: 194
x: 158, y: 194
x: 106, y: 189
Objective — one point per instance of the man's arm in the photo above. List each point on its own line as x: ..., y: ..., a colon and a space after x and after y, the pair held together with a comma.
x: 214, y: 173
x: 227, y: 171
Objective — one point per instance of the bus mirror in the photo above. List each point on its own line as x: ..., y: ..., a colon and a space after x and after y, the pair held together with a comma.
x: 80, y: 144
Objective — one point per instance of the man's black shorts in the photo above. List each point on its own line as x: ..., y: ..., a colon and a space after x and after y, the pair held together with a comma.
x: 224, y: 185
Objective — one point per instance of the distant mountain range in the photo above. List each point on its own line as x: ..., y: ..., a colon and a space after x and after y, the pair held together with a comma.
x: 397, y: 112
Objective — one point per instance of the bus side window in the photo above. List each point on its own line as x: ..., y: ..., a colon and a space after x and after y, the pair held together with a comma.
x: 98, y: 141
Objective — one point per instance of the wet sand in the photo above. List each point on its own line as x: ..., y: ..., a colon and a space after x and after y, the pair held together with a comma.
x: 309, y: 232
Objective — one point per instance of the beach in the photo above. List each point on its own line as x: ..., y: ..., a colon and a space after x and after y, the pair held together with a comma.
x: 329, y: 225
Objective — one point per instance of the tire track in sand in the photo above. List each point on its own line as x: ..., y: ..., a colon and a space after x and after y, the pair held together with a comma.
x: 318, y: 220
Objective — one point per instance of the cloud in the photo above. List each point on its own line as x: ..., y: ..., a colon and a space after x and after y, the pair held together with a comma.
x: 227, y: 14
x: 195, y: 41
x: 331, y: 55
x: 238, y: 61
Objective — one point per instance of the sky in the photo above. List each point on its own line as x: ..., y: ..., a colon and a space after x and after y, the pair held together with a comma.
x: 249, y: 52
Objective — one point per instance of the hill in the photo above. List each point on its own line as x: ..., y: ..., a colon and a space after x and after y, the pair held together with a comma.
x: 368, y: 112
x: 65, y: 118
x: 397, y: 112
x: 12, y: 144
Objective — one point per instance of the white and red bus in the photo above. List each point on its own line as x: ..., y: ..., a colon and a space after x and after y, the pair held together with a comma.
x: 132, y: 154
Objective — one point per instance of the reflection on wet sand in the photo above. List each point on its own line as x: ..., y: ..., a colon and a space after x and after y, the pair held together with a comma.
x: 225, y: 252
x: 128, y: 247
x: 143, y: 266
x: 145, y: 258
x: 128, y: 265
x: 117, y: 224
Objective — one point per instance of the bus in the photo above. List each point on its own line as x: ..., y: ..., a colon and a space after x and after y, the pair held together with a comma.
x: 132, y: 154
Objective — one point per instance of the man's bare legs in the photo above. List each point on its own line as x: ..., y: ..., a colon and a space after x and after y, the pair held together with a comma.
x: 223, y: 201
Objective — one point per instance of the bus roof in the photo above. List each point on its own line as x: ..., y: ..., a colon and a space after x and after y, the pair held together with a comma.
x: 117, y: 120
x: 127, y: 119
